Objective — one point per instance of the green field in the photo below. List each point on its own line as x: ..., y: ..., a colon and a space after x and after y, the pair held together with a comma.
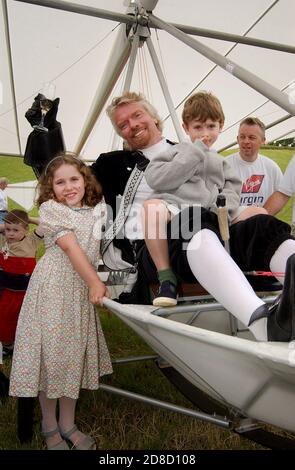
x: 119, y: 423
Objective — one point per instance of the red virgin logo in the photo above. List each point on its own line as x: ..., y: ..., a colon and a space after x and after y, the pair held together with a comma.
x: 252, y: 184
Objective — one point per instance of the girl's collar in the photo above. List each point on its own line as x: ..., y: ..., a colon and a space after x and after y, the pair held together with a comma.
x: 83, y: 208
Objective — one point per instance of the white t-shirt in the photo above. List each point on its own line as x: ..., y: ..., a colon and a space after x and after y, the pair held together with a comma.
x: 133, y: 225
x: 260, y: 178
x: 287, y: 185
x: 3, y: 200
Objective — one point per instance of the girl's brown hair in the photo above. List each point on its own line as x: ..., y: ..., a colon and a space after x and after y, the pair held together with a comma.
x: 93, y: 192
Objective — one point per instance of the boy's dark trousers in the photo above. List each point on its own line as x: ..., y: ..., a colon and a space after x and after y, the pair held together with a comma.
x: 25, y: 418
x: 4, y: 385
x: 25, y: 411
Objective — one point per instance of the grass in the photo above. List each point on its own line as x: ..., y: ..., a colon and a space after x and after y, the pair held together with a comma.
x: 119, y: 423
x: 15, y: 170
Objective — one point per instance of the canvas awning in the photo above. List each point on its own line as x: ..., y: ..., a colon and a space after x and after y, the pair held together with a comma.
x: 72, y: 51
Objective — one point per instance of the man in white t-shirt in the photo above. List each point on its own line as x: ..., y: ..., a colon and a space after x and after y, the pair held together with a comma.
x: 259, y: 174
x: 285, y: 190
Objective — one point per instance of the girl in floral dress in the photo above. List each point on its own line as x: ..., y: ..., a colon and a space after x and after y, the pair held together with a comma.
x: 59, y: 346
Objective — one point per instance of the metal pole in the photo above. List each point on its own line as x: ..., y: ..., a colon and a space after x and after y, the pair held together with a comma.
x: 5, y: 154
x: 131, y: 63
x: 11, y: 75
x: 225, y: 55
x: 219, y: 421
x: 254, y: 110
x: 165, y: 312
x: 128, y: 79
x: 165, y: 90
x: 208, y: 33
x: 81, y: 9
x: 251, y: 114
x: 127, y: 360
x: 252, y: 80
x: 284, y: 135
x: 113, y: 16
x: 114, y: 67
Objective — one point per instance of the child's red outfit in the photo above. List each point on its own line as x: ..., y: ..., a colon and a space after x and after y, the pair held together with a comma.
x: 17, y: 262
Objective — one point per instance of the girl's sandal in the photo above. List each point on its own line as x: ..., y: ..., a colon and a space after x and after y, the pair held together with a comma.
x: 86, y: 443
x: 61, y: 445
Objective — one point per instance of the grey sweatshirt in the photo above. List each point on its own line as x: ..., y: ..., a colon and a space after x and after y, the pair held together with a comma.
x: 190, y: 174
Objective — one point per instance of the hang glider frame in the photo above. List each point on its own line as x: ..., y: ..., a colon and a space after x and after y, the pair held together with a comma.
x: 133, y: 32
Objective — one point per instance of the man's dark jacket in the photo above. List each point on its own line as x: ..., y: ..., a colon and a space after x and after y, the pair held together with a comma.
x: 112, y: 170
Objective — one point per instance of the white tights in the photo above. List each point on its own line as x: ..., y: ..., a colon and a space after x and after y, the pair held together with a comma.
x: 67, y: 408
x: 218, y: 273
x: 279, y: 260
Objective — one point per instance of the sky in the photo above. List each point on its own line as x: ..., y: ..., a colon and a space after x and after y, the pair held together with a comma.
x: 71, y: 51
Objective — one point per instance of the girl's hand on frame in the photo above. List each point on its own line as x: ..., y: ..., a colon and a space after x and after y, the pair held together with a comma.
x: 97, y: 292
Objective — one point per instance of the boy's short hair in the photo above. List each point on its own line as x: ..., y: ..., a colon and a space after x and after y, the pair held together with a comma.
x: 202, y: 106
x: 132, y: 97
x: 253, y: 121
x: 17, y: 216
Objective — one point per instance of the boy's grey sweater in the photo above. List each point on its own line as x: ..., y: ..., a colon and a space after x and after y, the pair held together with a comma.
x: 190, y: 174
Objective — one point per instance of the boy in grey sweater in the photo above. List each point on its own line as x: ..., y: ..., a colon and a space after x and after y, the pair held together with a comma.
x: 189, y: 174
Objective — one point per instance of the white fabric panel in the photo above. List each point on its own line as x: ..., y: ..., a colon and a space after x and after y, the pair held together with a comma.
x: 23, y: 193
x: 72, y: 50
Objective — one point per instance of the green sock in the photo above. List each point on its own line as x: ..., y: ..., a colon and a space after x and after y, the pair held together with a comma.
x: 167, y: 275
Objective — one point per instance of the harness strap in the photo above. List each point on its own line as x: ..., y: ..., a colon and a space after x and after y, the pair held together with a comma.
x: 125, y: 206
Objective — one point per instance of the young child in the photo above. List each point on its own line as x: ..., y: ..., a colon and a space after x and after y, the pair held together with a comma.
x: 191, y: 174
x: 18, y: 250
x: 60, y: 346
